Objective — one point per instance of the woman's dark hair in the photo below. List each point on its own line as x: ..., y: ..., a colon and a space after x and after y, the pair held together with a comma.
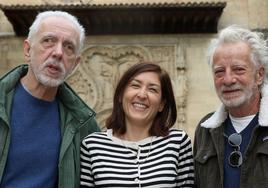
x: 164, y: 120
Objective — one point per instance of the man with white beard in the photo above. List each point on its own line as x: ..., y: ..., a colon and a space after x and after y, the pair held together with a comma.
x: 231, y: 144
x: 42, y: 120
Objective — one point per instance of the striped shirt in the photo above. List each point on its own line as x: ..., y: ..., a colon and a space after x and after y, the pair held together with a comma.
x: 107, y: 161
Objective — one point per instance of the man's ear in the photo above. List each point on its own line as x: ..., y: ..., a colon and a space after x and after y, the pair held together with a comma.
x: 26, y: 50
x: 74, y: 65
x: 77, y: 61
x: 260, y: 75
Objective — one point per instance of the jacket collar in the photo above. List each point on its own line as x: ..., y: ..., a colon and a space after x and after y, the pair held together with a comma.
x: 219, y: 116
x: 74, y: 104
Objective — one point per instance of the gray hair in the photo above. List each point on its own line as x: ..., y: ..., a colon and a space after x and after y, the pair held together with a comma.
x: 234, y: 33
x: 41, y: 16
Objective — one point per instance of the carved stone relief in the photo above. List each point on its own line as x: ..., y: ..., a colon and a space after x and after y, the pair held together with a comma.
x: 96, y: 77
x: 4, y: 49
x: 11, y: 54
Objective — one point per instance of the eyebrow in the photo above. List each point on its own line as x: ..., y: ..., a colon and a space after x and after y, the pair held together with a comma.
x: 151, y: 84
x: 50, y: 34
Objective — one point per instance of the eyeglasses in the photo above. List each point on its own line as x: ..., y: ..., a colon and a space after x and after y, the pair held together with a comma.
x: 235, y: 157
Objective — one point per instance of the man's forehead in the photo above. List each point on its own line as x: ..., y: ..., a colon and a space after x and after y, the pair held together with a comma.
x: 60, y: 29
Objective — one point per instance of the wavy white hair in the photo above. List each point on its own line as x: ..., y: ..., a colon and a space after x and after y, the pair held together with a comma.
x: 41, y: 16
x: 235, y: 33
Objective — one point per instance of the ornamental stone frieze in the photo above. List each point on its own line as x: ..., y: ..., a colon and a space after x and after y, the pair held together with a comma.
x: 102, y: 65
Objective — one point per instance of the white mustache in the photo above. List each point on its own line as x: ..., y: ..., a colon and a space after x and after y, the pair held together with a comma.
x: 55, y: 63
x: 232, y: 87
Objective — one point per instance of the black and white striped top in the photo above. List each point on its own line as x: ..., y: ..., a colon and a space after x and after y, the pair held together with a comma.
x: 154, y: 162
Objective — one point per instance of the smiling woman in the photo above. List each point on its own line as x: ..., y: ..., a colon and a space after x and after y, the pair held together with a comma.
x: 150, y: 84
x: 141, y: 102
x: 139, y: 148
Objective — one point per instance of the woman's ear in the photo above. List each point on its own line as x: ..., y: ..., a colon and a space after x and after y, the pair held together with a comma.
x: 162, y: 105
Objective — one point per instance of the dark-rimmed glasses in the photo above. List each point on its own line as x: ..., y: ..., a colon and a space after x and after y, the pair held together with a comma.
x: 235, y: 158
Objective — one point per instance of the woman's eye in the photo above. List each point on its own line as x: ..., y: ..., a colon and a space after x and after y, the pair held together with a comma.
x: 153, y: 90
x: 134, y: 85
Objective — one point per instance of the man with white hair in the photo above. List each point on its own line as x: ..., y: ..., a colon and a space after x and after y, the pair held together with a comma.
x: 231, y: 144
x: 42, y: 120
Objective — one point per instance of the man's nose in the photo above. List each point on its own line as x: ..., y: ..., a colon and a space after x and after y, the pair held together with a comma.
x: 229, y: 78
x: 58, y: 50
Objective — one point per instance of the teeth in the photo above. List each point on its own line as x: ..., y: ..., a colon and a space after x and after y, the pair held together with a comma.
x: 139, y: 105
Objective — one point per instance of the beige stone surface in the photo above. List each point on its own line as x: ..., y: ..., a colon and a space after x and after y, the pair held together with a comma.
x: 11, y: 53
x: 106, y: 57
x: 201, y: 97
x: 5, y: 26
x: 235, y: 12
x: 258, y: 14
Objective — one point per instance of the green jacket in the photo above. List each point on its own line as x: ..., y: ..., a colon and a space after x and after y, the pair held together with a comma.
x: 77, y: 121
x: 209, y: 153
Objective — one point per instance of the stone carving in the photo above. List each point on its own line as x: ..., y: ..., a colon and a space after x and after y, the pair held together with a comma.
x: 11, y: 54
x: 4, y: 49
x: 102, y: 65
x: 181, y: 85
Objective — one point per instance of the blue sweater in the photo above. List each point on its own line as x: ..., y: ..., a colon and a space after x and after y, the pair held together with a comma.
x: 35, y: 143
x: 232, y: 174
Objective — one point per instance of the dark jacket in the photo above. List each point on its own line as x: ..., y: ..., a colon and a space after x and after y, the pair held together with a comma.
x: 77, y: 121
x: 209, y: 152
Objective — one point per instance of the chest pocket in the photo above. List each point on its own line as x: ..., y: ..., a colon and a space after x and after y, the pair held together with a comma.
x: 207, y: 169
x: 203, y: 156
x: 261, y: 164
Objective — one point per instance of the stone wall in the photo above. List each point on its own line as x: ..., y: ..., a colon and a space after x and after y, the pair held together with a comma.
x: 104, y: 59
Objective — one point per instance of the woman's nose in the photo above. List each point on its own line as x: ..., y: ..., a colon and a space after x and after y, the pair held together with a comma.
x: 142, y: 93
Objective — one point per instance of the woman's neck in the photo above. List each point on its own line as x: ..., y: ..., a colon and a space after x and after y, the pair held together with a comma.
x: 135, y: 133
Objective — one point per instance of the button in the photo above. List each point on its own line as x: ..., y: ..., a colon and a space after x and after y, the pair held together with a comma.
x: 136, y: 179
x: 73, y: 130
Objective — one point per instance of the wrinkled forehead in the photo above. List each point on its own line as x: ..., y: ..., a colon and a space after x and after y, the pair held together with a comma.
x: 59, y: 25
x: 232, y: 51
